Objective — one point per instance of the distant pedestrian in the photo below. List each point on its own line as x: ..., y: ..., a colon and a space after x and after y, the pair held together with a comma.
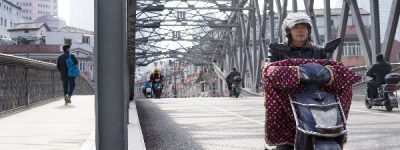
x: 68, y: 82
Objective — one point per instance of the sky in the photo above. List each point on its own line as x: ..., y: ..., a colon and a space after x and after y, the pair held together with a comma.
x: 77, y: 13
x: 63, y: 10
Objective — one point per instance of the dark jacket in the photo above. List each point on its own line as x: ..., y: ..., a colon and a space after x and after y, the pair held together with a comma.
x: 154, y: 76
x: 231, y: 75
x: 378, y: 71
x: 62, y: 66
x: 311, y: 51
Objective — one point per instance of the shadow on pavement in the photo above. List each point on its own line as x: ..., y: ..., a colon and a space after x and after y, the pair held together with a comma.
x: 160, y: 131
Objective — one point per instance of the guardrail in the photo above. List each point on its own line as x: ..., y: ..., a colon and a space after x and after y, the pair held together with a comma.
x: 26, y: 81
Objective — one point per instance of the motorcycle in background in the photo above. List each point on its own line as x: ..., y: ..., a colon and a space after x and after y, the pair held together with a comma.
x: 157, y: 88
x: 387, y: 93
x: 236, y: 89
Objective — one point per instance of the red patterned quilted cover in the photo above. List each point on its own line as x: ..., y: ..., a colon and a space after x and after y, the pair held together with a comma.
x: 281, y: 79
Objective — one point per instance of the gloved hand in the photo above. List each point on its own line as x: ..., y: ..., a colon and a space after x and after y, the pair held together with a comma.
x: 314, y: 73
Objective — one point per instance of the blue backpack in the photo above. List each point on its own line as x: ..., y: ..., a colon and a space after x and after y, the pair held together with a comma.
x: 73, y: 71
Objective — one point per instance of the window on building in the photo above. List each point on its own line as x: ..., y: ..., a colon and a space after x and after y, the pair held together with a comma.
x: 351, y: 49
x: 67, y: 41
x: 181, y: 15
x: 26, y: 31
x: 5, y: 22
x: 86, y: 39
x: 80, y: 66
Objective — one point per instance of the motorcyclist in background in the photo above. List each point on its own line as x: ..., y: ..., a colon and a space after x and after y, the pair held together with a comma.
x: 229, y: 78
x: 156, y: 75
x: 377, y: 72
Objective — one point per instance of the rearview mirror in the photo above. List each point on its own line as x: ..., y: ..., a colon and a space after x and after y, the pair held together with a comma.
x: 332, y: 45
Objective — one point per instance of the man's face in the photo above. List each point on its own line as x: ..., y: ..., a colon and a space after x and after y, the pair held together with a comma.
x: 299, y: 33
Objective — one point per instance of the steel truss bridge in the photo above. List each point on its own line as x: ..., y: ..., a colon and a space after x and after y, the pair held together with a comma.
x: 235, y: 33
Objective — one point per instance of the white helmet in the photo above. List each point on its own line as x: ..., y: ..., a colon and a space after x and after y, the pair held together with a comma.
x: 291, y: 20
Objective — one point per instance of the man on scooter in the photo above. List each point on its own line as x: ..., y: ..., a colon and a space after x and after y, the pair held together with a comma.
x: 280, y: 126
x: 229, y: 78
x: 145, y: 86
x: 377, y: 72
x: 154, y: 76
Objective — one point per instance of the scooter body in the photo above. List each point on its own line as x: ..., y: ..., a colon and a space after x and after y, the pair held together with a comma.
x: 149, y: 93
x: 236, y: 89
x: 319, y: 116
x: 387, y: 93
x: 320, y: 121
x: 387, y: 96
x: 157, y: 88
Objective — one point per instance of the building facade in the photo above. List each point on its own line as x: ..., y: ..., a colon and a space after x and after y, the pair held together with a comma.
x: 32, y: 9
x: 29, y: 33
x: 82, y: 46
x: 9, y: 14
x: 36, y: 41
x: 384, y: 12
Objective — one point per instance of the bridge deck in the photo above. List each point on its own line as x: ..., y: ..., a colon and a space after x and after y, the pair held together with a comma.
x: 51, y: 126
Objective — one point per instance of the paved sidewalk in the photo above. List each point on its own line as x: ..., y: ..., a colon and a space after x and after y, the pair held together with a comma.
x: 51, y: 126
x: 135, y: 136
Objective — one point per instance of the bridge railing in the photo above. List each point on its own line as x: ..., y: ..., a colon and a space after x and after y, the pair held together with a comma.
x: 26, y: 81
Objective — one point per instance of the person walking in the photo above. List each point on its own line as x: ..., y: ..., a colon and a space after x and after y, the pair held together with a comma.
x: 68, y: 82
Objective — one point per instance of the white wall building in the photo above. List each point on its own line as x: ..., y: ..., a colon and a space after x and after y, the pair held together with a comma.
x: 29, y: 33
x: 9, y: 14
x: 32, y: 9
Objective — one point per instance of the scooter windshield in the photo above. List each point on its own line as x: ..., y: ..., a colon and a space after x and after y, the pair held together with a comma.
x: 325, y: 118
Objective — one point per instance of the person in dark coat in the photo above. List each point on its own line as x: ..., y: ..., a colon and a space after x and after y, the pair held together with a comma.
x: 377, y: 72
x: 229, y: 78
x: 68, y: 82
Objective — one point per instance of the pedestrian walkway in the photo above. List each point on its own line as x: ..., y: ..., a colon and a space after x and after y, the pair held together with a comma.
x: 51, y: 126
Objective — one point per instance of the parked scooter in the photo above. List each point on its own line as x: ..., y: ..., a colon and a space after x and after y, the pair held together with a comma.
x: 387, y: 95
x: 157, y: 88
x: 320, y: 119
x: 236, y: 89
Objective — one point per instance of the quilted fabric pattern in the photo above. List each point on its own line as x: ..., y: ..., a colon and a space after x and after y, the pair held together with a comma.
x: 281, y: 79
